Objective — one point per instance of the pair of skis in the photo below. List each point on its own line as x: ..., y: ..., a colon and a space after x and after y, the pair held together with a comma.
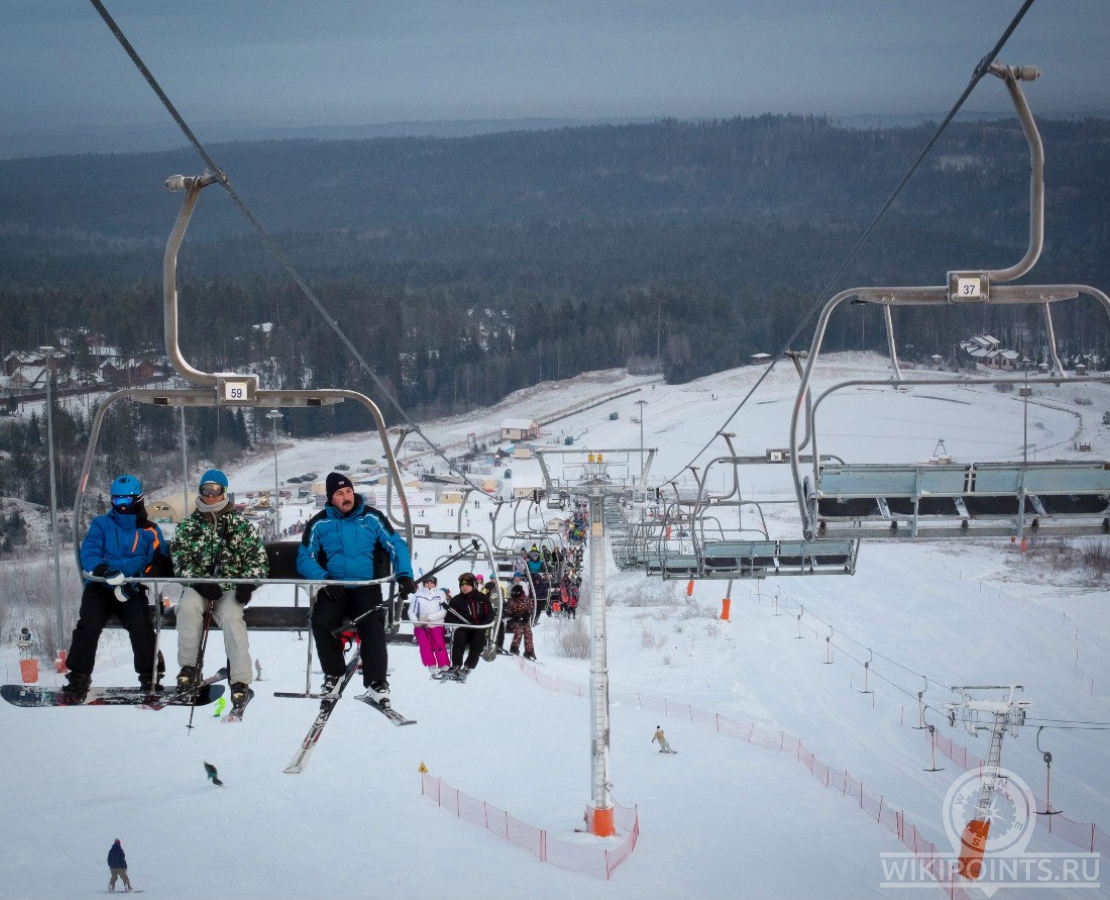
x: 327, y: 706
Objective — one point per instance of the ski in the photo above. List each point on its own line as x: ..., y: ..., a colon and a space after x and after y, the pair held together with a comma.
x: 388, y: 711
x: 185, y: 697
x: 34, y: 695
x: 314, y: 696
x: 235, y: 714
x: 327, y: 705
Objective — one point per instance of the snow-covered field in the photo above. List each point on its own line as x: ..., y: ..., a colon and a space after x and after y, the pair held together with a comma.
x: 723, y: 818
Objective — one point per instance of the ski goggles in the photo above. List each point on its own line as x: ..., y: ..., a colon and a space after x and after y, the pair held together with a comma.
x: 211, y: 489
x: 124, y: 502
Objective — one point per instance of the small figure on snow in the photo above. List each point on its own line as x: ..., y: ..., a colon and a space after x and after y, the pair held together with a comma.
x: 210, y: 770
x: 117, y: 862
x: 664, y: 747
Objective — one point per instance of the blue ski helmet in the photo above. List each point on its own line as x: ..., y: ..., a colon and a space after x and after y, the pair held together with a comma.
x: 127, y: 491
x: 214, y: 476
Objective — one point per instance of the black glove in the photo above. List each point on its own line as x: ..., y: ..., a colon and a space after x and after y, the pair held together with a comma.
x: 210, y: 592
x: 102, y: 570
x: 406, y: 586
x: 334, y: 592
x: 243, y: 593
x: 131, y: 591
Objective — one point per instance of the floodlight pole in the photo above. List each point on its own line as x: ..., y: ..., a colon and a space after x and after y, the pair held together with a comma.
x: 47, y: 352
x: 273, y: 415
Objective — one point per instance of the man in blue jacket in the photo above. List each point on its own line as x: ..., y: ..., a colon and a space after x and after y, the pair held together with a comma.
x: 351, y: 541
x: 121, y: 543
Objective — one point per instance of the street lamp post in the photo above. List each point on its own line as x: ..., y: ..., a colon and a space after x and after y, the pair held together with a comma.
x: 641, y: 404
x: 47, y: 352
x: 273, y: 415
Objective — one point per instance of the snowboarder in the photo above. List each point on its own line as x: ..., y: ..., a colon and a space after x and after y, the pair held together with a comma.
x: 426, y: 613
x: 664, y: 747
x: 121, y: 543
x: 216, y: 541
x: 349, y: 540
x: 117, y: 862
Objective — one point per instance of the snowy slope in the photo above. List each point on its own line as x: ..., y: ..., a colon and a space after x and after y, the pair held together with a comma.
x: 723, y: 818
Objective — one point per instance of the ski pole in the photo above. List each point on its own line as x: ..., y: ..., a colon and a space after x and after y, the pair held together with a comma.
x: 209, y: 606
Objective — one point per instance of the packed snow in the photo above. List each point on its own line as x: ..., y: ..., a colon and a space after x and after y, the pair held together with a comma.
x: 723, y: 818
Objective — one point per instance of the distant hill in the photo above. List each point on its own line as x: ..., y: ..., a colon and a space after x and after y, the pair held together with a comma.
x: 475, y: 265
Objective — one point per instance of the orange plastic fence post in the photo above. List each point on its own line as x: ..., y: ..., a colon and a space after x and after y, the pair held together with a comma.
x: 29, y: 669
x: 690, y: 588
x: 972, y: 844
x: 725, y: 605
x: 60, y: 662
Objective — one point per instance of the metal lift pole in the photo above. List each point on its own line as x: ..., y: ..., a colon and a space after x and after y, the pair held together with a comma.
x: 602, y: 805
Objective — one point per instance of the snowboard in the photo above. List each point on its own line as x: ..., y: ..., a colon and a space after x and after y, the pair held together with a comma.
x: 34, y: 695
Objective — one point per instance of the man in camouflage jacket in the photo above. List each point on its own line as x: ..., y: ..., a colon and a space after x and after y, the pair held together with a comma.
x: 216, y: 541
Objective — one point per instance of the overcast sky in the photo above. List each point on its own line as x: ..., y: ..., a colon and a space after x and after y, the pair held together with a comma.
x: 351, y: 62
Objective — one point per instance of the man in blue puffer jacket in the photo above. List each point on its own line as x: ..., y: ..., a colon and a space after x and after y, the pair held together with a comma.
x: 351, y: 541
x: 121, y: 543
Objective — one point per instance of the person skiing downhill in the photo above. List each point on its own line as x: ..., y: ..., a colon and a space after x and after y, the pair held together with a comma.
x: 117, y: 862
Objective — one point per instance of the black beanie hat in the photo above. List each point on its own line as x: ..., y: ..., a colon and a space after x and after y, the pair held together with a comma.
x: 335, y: 481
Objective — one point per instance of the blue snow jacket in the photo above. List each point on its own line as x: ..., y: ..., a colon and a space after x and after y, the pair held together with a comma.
x: 349, y: 547
x: 123, y: 543
x: 116, y: 859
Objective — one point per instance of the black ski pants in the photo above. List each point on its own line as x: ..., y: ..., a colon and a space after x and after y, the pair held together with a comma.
x: 328, y: 614
x: 468, y: 643
x: 98, y: 604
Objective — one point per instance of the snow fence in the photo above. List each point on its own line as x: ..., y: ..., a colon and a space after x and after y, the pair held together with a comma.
x: 872, y: 805
x: 1087, y: 836
x: 589, y: 859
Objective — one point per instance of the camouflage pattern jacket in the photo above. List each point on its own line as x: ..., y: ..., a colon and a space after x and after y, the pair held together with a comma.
x: 226, y: 537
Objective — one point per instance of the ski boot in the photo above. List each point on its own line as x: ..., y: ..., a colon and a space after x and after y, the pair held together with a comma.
x: 148, y: 684
x: 378, y: 692
x: 187, y: 678
x: 239, y: 697
x: 330, y: 684
x: 531, y: 656
x: 76, y: 687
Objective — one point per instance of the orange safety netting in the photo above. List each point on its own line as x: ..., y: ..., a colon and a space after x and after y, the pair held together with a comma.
x: 590, y: 860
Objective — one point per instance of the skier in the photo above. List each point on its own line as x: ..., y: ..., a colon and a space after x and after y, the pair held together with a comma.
x: 348, y: 540
x: 426, y: 613
x: 117, y: 862
x: 121, y: 543
x: 519, y: 611
x: 470, y: 607
x: 664, y: 747
x: 216, y: 541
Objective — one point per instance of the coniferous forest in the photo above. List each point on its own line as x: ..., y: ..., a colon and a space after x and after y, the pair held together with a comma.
x: 466, y: 268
